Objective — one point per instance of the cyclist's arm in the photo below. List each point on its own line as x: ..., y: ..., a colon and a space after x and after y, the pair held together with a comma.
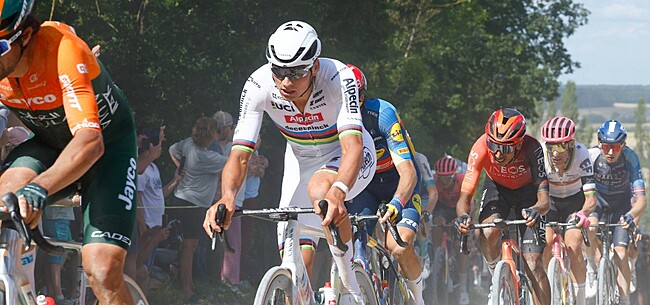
x: 463, y: 207
x: 408, y: 178
x: 638, y: 206
x: 351, y: 159
x: 535, y: 158
x: 433, y: 198
x: 85, y: 148
x: 589, y: 189
x: 543, y: 203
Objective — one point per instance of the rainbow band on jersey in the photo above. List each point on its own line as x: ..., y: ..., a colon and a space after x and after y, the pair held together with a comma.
x: 243, y: 145
x: 350, y: 129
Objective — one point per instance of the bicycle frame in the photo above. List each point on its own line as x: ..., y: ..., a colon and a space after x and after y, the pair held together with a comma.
x: 292, y: 260
x: 12, y: 272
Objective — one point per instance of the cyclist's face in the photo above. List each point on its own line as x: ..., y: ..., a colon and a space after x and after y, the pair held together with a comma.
x: 503, y: 159
x: 10, y: 60
x: 293, y: 89
x: 611, y: 152
x: 445, y: 181
x: 559, y: 154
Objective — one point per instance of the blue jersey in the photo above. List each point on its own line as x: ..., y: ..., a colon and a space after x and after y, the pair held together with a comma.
x: 392, y: 143
x: 623, y: 177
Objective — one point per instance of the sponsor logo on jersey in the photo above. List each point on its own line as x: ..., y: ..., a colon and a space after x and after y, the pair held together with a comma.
x: 68, y: 91
x: 417, y: 202
x: 586, y: 166
x: 351, y: 92
x: 254, y: 82
x: 314, y: 104
x: 129, y: 187
x: 33, y: 78
x: 396, y: 133
x: 508, y: 171
x: 111, y: 235
x: 368, y: 162
x: 306, y: 119
x: 539, y: 155
x: 26, y: 260
x: 37, y: 100
x: 82, y: 68
x: 288, y: 108
x: 403, y: 150
x: 380, y: 152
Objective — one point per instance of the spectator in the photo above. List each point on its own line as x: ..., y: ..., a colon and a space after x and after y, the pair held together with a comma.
x: 258, y: 165
x: 56, y: 224
x: 200, y: 167
x: 230, y: 270
x: 151, y: 197
x: 15, y: 135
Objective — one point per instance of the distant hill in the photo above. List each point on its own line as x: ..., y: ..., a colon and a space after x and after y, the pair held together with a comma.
x: 591, y: 96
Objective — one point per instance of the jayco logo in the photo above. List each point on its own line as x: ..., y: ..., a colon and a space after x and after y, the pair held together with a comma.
x: 129, y: 188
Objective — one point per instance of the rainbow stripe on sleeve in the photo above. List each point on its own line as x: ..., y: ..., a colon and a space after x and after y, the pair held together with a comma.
x: 244, y: 145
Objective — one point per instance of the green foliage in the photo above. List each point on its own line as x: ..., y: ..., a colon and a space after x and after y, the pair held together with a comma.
x: 642, y: 145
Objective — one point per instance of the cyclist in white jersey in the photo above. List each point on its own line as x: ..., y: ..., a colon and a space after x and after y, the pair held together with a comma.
x: 314, y: 102
x: 572, y: 190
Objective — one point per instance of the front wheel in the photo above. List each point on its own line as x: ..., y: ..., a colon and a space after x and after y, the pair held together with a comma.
x: 276, y: 288
x: 561, y: 283
x: 366, y: 286
x: 607, y: 287
x: 503, y: 287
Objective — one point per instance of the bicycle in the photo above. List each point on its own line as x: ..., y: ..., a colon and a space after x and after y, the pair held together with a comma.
x: 11, y: 270
x: 288, y: 283
x: 441, y: 281
x: 82, y: 290
x: 380, y: 265
x: 558, y: 271
x: 510, y: 284
x: 608, y: 291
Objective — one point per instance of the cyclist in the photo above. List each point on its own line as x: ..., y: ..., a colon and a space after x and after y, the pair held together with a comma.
x: 619, y: 181
x: 514, y: 163
x: 314, y: 102
x: 396, y: 181
x: 428, y: 181
x: 83, y: 132
x: 572, y: 192
x: 448, y: 182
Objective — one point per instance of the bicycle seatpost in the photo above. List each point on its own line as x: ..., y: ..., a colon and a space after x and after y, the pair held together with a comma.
x: 334, y: 230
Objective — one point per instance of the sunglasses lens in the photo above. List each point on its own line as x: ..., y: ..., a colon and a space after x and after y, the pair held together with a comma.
x: 291, y: 73
x: 494, y: 147
x: 5, y: 47
x: 559, y: 147
x: 612, y: 147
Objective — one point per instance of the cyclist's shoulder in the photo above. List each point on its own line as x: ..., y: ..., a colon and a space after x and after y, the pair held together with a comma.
x: 581, y: 152
x: 630, y: 154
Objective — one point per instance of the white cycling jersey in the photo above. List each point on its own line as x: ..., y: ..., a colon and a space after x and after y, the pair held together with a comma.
x: 570, y: 182
x: 331, y: 112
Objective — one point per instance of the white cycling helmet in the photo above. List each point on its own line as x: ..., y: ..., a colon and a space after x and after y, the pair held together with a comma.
x: 294, y: 43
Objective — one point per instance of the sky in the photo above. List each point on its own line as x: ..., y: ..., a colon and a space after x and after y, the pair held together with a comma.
x: 613, y: 48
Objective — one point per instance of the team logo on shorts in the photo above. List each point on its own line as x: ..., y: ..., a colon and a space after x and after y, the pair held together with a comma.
x: 396, y: 133
x: 417, y: 202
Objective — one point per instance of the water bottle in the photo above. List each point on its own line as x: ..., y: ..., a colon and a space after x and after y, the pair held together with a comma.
x: 43, y: 300
x: 327, y: 294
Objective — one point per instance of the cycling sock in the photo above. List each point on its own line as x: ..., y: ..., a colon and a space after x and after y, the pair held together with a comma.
x: 462, y: 277
x: 580, y: 293
x: 343, y: 262
x: 492, y: 264
x: 415, y: 286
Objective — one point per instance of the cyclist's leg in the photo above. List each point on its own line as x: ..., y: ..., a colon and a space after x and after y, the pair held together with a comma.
x: 551, y: 215
x: 492, y: 207
x: 621, y: 241
x: 574, y: 243
x: 109, y: 204
x: 406, y: 258
x: 534, y: 266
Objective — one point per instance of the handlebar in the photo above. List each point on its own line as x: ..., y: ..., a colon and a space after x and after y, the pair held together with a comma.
x: 632, y: 230
x: 26, y: 234
x: 357, y: 220
x: 498, y: 223
x: 572, y: 223
x: 392, y: 228
x: 334, y: 230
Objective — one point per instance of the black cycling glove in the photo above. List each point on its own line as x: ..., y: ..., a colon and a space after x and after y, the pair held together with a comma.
x: 34, y: 194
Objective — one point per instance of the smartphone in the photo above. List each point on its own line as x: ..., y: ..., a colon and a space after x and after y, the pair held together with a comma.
x: 181, y: 166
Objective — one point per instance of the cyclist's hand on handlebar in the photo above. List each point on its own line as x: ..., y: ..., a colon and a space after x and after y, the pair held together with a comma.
x: 531, y: 216
x: 31, y: 200
x: 462, y: 224
x: 336, y: 210
x: 393, y: 209
x: 627, y: 220
x: 583, y: 220
x: 210, y: 223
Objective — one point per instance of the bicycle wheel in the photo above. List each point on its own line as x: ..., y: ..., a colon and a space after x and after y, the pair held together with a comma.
x: 606, y: 283
x: 503, y: 288
x: 276, y: 288
x: 526, y: 293
x: 439, y: 286
x: 366, y: 286
x: 399, y: 292
x: 561, y: 284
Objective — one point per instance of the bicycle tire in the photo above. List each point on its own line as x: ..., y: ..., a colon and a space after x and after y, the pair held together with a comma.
x: 367, y: 288
x: 276, y: 285
x: 606, y: 283
x: 503, y: 288
x: 526, y: 293
x: 399, y: 290
x: 561, y: 284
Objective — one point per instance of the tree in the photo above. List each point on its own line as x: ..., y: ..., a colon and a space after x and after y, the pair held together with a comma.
x: 640, y: 134
x: 569, y: 106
